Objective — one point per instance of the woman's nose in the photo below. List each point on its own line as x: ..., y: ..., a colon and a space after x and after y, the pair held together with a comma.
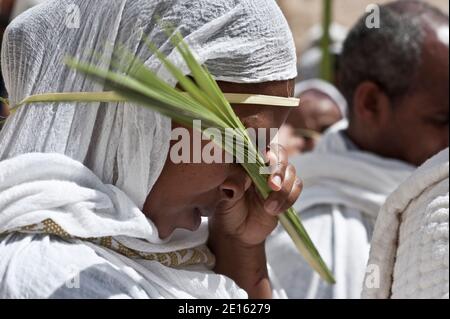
x: 235, y: 187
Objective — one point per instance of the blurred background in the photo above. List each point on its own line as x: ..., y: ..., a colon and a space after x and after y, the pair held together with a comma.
x: 307, y: 18
x: 303, y: 15
x: 318, y: 55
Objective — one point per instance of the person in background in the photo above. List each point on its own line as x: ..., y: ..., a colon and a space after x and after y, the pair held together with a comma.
x: 321, y: 106
x: 395, y: 79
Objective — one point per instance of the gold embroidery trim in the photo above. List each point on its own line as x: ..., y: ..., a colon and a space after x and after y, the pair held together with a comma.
x: 177, y: 259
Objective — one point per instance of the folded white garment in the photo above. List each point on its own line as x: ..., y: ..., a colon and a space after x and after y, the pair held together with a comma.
x: 409, y: 257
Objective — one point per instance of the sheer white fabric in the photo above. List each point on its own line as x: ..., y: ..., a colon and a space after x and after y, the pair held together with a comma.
x: 409, y: 257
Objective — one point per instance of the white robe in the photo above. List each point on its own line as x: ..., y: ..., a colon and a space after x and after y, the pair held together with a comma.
x: 344, y: 189
x: 409, y: 257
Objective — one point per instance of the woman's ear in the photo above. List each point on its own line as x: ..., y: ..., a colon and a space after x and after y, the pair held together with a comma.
x: 235, y: 186
x: 370, y: 104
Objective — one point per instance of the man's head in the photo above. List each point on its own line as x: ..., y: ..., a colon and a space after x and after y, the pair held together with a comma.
x: 396, y: 79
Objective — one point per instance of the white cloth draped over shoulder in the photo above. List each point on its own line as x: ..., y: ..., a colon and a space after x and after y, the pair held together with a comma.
x: 82, y: 207
x: 344, y: 189
x: 409, y: 257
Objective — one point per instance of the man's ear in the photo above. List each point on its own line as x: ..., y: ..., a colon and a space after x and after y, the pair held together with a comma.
x: 370, y: 103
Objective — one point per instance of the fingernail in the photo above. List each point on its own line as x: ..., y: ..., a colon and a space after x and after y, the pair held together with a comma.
x: 271, y: 207
x: 277, y: 181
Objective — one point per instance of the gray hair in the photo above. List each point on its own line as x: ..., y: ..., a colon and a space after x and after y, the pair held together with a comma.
x: 390, y: 55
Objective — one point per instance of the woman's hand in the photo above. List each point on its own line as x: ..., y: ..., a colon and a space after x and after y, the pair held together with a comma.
x: 238, y: 231
x: 251, y: 219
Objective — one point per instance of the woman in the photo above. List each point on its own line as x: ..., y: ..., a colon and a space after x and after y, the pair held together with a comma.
x: 112, y: 215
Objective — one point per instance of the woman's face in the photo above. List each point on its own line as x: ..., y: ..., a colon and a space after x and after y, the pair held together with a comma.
x: 185, y: 192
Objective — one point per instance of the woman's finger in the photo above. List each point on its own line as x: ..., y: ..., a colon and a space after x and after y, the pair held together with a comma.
x: 278, y: 158
x: 293, y: 196
x: 276, y: 200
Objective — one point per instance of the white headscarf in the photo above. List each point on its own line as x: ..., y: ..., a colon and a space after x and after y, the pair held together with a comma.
x: 124, y: 145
